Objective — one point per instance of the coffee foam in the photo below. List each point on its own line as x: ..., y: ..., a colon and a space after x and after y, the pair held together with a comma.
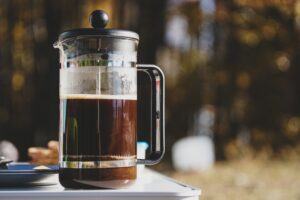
x: 97, y: 96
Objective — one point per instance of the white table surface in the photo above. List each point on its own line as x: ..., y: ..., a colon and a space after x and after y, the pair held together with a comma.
x: 150, y: 185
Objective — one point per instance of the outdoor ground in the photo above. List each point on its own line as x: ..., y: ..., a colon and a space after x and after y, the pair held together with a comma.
x: 247, y: 179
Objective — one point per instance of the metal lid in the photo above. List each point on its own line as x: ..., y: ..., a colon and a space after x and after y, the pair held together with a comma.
x: 98, y: 20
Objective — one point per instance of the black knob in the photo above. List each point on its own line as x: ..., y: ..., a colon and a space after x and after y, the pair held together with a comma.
x: 98, y: 19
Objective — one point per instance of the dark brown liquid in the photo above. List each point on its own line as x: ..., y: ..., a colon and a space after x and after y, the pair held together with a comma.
x: 98, y: 130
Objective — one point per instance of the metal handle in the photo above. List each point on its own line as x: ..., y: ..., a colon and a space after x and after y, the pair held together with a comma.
x: 157, y: 104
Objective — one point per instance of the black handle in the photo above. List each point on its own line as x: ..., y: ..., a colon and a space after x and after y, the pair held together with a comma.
x: 157, y: 107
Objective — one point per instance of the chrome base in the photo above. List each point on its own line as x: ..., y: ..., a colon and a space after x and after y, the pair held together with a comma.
x: 98, y: 164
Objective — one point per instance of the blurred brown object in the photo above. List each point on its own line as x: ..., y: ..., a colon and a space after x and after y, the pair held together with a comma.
x: 40, y: 155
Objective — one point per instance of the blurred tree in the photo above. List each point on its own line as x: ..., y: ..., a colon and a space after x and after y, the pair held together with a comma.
x: 240, y: 56
x: 250, y: 76
x: 255, y: 43
x: 29, y: 66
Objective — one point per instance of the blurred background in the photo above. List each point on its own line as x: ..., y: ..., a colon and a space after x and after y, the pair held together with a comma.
x: 232, y: 86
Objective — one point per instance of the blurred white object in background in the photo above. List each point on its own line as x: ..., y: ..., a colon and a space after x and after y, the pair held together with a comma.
x: 197, y: 152
x: 141, y: 154
x: 8, y: 150
x: 193, y: 153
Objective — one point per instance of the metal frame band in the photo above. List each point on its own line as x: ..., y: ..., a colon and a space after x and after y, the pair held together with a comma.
x: 98, y: 164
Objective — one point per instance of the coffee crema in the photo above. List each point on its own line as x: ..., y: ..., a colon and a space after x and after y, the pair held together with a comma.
x: 98, y: 140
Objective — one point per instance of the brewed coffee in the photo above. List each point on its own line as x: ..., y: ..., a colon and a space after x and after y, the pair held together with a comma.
x: 99, y: 140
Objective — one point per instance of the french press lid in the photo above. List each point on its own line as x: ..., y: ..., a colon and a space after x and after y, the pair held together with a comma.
x: 98, y: 20
x: 98, y: 46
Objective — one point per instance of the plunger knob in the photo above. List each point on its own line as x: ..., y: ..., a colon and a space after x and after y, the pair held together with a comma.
x: 98, y: 19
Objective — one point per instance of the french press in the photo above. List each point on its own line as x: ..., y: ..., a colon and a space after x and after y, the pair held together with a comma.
x: 106, y: 98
